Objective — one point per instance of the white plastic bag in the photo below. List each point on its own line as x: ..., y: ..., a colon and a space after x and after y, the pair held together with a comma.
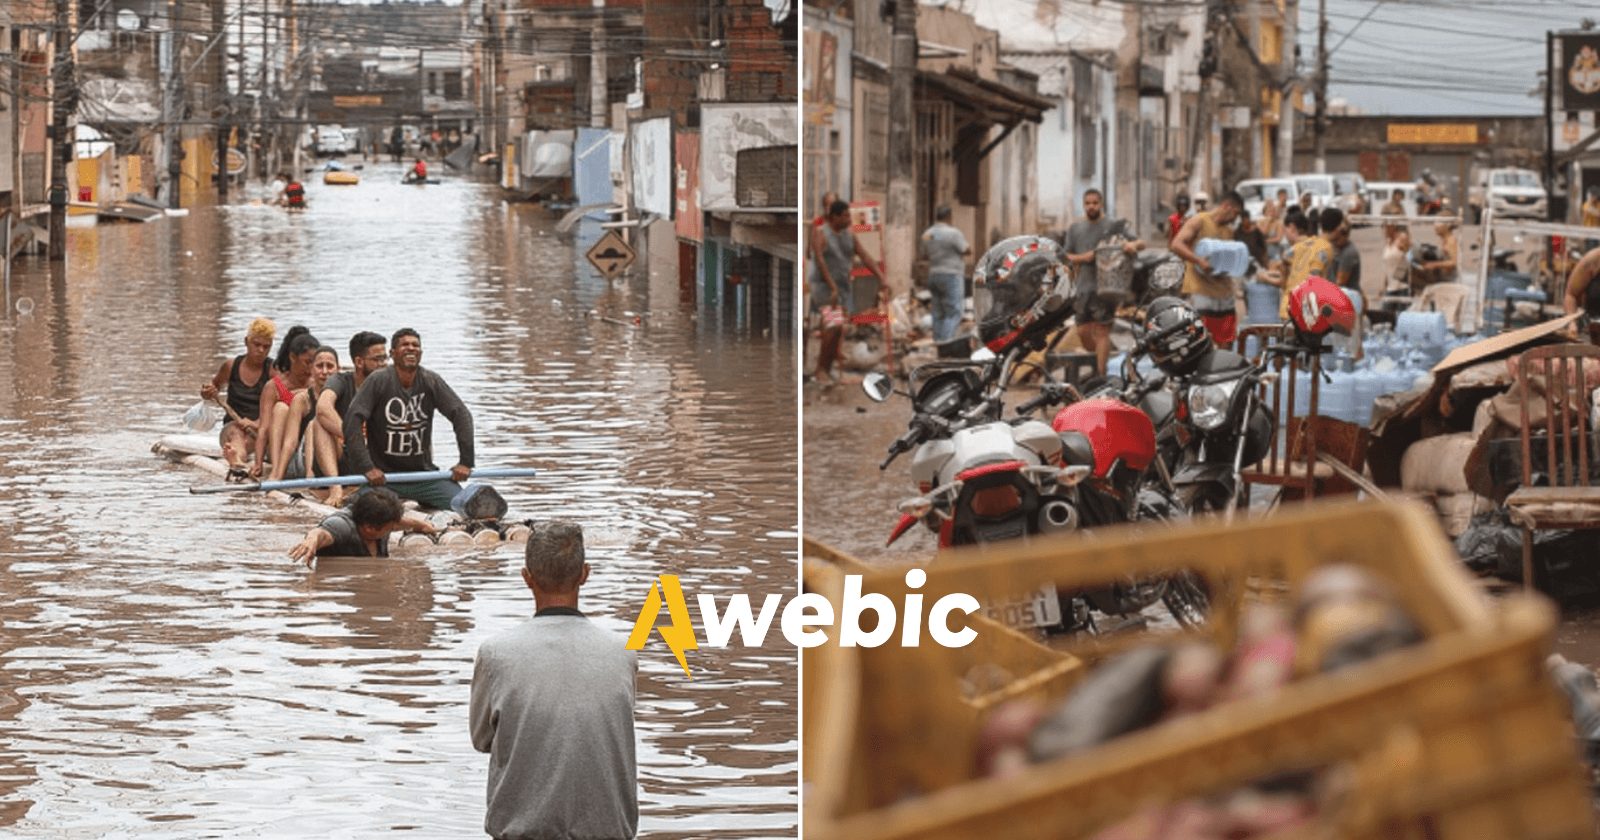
x: 202, y: 416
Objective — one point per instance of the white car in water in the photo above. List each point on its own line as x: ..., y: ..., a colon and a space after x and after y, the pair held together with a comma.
x: 331, y: 140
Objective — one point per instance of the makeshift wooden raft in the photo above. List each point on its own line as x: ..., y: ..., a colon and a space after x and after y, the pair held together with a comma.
x: 203, y: 453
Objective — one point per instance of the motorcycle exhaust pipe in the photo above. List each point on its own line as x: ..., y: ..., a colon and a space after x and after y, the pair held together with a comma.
x: 1056, y: 517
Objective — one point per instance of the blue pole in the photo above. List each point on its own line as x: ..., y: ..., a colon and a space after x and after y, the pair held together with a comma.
x: 348, y: 480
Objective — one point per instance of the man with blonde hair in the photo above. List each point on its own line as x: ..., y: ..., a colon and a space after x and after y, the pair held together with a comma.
x: 243, y: 375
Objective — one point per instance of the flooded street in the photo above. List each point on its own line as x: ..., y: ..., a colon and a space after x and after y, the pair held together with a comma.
x: 165, y: 669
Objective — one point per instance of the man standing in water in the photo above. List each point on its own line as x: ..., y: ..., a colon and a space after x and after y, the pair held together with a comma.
x: 243, y: 375
x: 552, y: 704
x: 389, y: 427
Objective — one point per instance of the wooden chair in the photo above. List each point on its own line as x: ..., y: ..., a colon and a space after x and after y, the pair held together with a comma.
x: 1294, y: 464
x: 1568, y: 501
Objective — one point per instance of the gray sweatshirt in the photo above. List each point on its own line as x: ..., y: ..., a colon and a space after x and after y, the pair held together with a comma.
x: 552, y: 704
x: 399, y: 423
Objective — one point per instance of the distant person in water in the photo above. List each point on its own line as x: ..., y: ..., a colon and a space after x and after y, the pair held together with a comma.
x: 362, y: 530
x: 390, y: 425
x: 417, y: 173
x: 293, y: 193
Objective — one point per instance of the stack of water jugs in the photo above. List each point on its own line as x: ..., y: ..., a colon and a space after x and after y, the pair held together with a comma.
x: 1394, y: 360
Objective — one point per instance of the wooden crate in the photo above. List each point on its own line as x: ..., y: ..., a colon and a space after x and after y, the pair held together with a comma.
x: 855, y: 699
x: 1463, y: 736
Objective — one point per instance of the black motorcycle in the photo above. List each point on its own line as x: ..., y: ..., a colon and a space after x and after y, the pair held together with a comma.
x: 1218, y: 423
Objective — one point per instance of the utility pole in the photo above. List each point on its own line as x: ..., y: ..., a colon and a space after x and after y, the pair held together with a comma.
x: 219, y: 22
x: 1291, y: 41
x: 598, y: 118
x: 171, y: 140
x: 488, y: 80
x: 902, y: 204
x: 63, y: 104
x: 1320, y: 129
x: 18, y: 199
x: 1550, y: 122
x: 1257, y: 140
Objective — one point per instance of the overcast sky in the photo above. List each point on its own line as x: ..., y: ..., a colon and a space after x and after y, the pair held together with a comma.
x: 1438, y: 56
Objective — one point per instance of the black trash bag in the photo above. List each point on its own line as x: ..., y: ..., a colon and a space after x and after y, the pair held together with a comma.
x: 1492, y: 545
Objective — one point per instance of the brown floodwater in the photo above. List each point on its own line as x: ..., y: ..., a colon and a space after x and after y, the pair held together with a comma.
x: 165, y: 669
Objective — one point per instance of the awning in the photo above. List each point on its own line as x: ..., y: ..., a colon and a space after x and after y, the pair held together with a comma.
x: 766, y: 232
x: 991, y: 102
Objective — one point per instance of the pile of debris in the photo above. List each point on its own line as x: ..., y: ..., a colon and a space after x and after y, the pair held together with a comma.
x: 1458, y: 444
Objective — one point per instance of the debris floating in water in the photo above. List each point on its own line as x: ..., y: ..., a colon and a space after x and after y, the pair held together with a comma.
x: 25, y: 306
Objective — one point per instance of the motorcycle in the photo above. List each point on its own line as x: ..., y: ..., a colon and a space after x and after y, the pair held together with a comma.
x: 983, y: 478
x: 1221, y: 424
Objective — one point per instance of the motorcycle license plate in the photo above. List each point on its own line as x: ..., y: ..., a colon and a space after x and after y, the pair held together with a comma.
x: 1039, y: 608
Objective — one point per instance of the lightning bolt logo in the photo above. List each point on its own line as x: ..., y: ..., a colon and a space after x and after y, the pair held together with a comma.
x: 678, y: 634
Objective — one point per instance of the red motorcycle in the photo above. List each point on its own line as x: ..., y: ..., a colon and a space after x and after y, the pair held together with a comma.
x: 983, y: 478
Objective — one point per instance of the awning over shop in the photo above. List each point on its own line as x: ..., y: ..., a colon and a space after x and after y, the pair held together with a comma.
x: 767, y: 232
x: 987, y: 101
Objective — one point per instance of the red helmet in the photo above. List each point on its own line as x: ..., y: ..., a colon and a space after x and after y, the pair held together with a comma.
x: 1318, y: 307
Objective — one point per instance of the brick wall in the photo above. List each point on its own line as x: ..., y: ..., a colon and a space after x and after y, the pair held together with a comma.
x: 553, y: 106
x: 761, y: 56
x: 669, y: 83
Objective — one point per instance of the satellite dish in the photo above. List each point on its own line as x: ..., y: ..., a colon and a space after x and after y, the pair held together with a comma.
x: 128, y: 20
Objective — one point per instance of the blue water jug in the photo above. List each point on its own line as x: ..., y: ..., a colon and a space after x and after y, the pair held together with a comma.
x: 1367, y: 385
x: 1261, y: 303
x: 1422, y: 327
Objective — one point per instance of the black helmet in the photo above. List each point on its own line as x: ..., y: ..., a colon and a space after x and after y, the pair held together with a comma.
x: 1176, y: 336
x: 1018, y: 272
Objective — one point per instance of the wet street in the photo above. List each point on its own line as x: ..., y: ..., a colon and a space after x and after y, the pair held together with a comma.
x: 165, y: 669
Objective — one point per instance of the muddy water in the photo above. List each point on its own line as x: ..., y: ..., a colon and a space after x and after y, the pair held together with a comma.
x: 166, y: 671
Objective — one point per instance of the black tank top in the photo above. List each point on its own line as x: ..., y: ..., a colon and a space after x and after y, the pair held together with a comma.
x: 245, y: 400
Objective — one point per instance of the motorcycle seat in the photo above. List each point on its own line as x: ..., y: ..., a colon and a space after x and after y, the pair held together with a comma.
x: 1077, y: 451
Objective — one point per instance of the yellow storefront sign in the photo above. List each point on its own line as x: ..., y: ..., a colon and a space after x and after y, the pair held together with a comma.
x: 364, y: 100
x: 1433, y: 134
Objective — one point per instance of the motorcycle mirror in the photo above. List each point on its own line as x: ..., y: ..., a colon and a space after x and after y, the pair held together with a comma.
x: 878, y: 386
x: 983, y: 354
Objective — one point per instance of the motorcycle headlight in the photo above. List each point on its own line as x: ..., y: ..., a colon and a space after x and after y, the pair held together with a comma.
x: 1208, y: 404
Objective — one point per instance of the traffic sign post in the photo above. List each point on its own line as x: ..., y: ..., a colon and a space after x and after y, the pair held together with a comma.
x: 611, y: 255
